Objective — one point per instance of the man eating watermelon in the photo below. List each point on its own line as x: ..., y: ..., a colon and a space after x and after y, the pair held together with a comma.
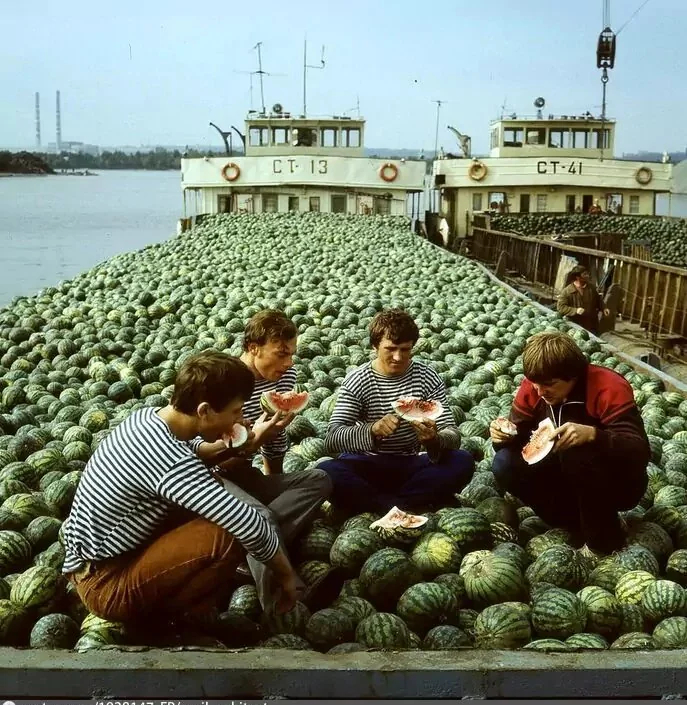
x: 597, y: 464
x: 290, y: 502
x: 392, y: 429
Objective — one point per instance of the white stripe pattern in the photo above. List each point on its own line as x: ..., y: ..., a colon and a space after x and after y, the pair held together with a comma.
x: 134, y: 479
x: 365, y: 396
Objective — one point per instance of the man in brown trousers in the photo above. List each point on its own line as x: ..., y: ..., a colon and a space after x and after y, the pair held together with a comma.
x: 580, y: 301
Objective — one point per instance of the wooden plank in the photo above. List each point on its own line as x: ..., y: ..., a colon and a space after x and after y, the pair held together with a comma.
x: 676, y: 302
x: 667, y: 289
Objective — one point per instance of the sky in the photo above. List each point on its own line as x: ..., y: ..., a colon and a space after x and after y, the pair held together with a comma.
x: 158, y: 71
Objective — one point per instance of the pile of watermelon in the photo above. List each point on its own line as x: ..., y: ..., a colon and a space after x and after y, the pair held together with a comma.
x: 77, y: 358
x: 667, y: 236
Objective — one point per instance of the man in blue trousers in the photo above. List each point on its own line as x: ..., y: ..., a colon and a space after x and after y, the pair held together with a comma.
x: 384, y: 461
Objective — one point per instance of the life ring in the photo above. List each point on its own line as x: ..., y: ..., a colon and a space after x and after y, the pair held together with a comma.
x: 477, y: 171
x: 643, y: 175
x: 384, y: 172
x: 231, y: 171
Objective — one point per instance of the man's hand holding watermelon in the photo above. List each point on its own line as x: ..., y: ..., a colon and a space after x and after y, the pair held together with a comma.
x: 427, y: 431
x: 267, y: 428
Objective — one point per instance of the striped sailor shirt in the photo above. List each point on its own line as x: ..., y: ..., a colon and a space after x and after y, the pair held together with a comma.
x: 137, y: 475
x: 365, y: 396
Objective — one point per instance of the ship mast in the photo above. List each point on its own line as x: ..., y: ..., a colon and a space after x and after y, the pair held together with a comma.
x: 605, y: 59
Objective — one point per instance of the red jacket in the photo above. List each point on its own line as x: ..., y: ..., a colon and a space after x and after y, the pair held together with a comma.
x: 601, y: 398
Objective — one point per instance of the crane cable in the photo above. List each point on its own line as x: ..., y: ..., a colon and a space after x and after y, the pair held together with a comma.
x: 632, y: 16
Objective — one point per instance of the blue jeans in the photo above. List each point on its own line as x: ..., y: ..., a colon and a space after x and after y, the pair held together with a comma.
x: 375, y: 483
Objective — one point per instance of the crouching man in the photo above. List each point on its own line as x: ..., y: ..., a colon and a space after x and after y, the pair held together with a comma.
x: 131, y: 551
x: 380, y: 463
x: 289, y: 502
x: 598, y: 465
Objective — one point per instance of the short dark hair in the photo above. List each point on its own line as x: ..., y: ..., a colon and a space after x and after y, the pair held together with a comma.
x: 575, y: 272
x: 394, y: 323
x: 268, y: 325
x: 213, y: 377
x: 552, y: 355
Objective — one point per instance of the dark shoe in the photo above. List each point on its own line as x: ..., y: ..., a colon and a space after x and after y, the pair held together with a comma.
x: 324, y: 590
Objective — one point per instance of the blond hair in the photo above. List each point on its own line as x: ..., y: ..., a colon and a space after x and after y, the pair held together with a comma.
x: 552, y: 355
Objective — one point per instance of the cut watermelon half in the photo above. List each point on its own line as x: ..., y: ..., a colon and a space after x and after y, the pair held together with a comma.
x: 541, y: 443
x: 237, y: 437
x: 396, y: 518
x: 286, y: 402
x: 506, y: 426
x: 416, y: 409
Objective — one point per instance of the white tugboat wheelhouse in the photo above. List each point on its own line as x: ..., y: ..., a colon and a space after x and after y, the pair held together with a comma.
x: 296, y: 163
x: 558, y: 164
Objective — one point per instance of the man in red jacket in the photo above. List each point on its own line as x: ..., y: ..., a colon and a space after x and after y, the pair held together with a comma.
x: 598, y: 465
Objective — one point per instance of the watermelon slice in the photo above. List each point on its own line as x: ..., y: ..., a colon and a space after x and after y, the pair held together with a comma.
x: 400, y: 526
x: 541, y: 443
x: 287, y: 402
x: 506, y: 426
x: 416, y: 409
x: 237, y: 437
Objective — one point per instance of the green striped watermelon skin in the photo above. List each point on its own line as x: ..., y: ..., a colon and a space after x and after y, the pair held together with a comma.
x: 292, y: 622
x: 664, y: 598
x: 631, y: 586
x: 446, y: 637
x: 386, y: 575
x: 436, y: 553
x: 639, y: 641
x: 15, y: 551
x: 586, y: 640
x: 676, y: 567
x: 426, y: 605
x: 329, y: 627
x: 383, y: 630
x: 604, y: 613
x: 502, y: 627
x: 494, y: 579
x: 470, y: 529
x: 357, y: 608
x: 287, y: 641
x: 558, y: 614
x: 560, y: 565
x: 15, y: 624
x: 353, y: 547
x: 671, y: 633
x: 317, y: 544
x: 547, y: 645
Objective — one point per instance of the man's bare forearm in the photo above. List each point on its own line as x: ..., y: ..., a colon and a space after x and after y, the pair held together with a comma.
x: 215, y: 453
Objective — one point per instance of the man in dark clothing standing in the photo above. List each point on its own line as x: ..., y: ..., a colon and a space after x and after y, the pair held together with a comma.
x: 598, y: 465
x: 580, y: 301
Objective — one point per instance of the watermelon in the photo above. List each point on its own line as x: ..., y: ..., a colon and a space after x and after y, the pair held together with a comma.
x: 383, y: 630
x: 468, y: 527
x: 317, y: 543
x: 494, y: 579
x: 286, y: 641
x: 547, y: 645
x: 634, y: 640
x: 357, y: 608
x: 671, y: 633
x: 399, y: 527
x: 54, y: 631
x: 285, y: 402
x: 604, y: 613
x: 349, y: 647
x: 586, y: 640
x: 426, y: 605
x: 540, y: 444
x: 42, y: 532
x: 15, y: 624
x: 631, y: 586
x: 445, y: 638
x: 413, y: 409
x: 664, y: 598
x: 436, y: 553
x: 560, y: 565
x: 292, y: 622
x: 558, y: 614
x: 244, y: 601
x: 236, y: 437
x: 352, y: 547
x: 15, y: 551
x: 329, y: 627
x: 503, y: 626
x: 386, y: 575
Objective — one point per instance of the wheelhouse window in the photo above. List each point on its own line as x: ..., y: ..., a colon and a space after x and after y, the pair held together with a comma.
x: 634, y: 205
x: 294, y: 204
x: 495, y: 138
x: 476, y: 202
x: 541, y: 203
x: 580, y: 139
x: 601, y: 139
x: 338, y: 204
x: 258, y: 136
x: 350, y: 137
x: 270, y: 202
x: 536, y: 136
x: 314, y: 204
x: 329, y: 137
x: 280, y: 135
x: 559, y: 138
x: 382, y: 205
x: 513, y: 136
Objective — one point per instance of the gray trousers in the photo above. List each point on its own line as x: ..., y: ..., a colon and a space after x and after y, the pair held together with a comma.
x: 289, y: 502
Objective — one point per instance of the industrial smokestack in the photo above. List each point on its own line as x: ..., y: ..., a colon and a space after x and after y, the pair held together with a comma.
x: 38, y: 120
x: 59, y: 123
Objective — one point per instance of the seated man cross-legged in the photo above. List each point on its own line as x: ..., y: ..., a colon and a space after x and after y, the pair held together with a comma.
x: 598, y: 465
x: 151, y: 533
x: 380, y: 464
x: 290, y: 502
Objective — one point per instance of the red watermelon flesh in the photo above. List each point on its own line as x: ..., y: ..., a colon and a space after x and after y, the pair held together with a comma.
x: 506, y: 426
x: 237, y: 437
x: 286, y: 402
x: 397, y: 518
x: 416, y: 409
x: 541, y: 443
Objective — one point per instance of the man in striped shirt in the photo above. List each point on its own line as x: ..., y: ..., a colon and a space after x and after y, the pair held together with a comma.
x: 290, y: 502
x: 131, y: 549
x: 381, y: 465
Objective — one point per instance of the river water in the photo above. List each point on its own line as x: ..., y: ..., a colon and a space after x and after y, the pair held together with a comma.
x: 54, y: 227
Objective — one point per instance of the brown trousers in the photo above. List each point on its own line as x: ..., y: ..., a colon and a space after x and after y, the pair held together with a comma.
x: 189, y: 569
